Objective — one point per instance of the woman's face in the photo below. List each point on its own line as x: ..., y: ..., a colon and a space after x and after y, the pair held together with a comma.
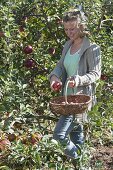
x: 72, y: 29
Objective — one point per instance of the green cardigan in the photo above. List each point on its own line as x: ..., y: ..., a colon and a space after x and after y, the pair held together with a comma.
x: 89, y: 69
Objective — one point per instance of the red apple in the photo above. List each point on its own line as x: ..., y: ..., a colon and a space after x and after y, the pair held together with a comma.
x: 4, y: 144
x: 57, y: 86
x: 104, y: 77
x: 21, y: 28
x: 29, y: 63
x: 71, y: 82
x: 28, y: 49
x: 51, y: 50
x: 2, y: 34
x: 11, y: 137
x: 35, y: 138
x: 24, y: 140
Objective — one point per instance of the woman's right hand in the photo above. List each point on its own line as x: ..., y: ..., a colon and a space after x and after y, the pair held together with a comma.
x: 55, y: 84
x: 71, y: 82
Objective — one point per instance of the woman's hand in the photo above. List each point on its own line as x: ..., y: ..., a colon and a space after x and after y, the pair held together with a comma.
x: 71, y: 82
x: 55, y: 83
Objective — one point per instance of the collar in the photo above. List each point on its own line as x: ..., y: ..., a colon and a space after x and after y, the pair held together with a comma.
x: 85, y: 45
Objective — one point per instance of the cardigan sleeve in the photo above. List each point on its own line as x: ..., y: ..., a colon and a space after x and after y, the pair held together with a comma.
x: 93, y: 57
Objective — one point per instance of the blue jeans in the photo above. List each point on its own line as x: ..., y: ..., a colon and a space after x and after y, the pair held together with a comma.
x: 69, y: 133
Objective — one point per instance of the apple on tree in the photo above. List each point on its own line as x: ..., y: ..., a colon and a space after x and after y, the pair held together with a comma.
x: 104, y: 77
x: 28, y: 49
x: 29, y: 63
x: 21, y: 28
x: 2, y: 34
x: 51, y: 51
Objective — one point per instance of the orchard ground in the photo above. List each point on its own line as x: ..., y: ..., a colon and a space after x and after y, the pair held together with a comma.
x: 102, y: 158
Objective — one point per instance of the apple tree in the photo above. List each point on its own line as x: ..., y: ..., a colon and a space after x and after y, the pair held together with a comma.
x: 31, y: 41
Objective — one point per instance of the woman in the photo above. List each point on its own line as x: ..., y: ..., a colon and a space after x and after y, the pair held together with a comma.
x: 80, y: 65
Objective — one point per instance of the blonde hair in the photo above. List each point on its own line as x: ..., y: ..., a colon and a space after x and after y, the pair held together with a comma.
x: 77, y: 15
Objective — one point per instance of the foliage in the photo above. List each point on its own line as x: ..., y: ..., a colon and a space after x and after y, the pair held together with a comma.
x: 24, y: 88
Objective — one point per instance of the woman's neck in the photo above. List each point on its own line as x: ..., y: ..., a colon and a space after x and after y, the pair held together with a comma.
x: 76, y: 45
x: 77, y: 42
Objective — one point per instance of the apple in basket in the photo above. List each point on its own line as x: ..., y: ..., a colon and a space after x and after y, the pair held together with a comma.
x: 57, y: 86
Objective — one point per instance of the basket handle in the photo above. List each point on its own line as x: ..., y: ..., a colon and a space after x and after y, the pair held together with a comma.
x: 65, y: 95
x: 72, y: 90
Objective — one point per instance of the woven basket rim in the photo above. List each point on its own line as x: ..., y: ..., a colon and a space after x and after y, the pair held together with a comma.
x: 58, y: 97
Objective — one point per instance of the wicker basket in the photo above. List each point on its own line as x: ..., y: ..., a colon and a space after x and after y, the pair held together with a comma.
x: 75, y: 104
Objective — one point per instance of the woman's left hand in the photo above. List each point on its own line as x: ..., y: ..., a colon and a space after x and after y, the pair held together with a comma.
x: 71, y: 82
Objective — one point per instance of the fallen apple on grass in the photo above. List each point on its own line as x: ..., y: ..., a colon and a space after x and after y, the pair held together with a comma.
x: 11, y: 137
x: 35, y: 138
x: 31, y: 139
x: 4, y: 144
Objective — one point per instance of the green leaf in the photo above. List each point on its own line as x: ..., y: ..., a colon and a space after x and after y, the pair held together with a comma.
x: 7, y: 34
